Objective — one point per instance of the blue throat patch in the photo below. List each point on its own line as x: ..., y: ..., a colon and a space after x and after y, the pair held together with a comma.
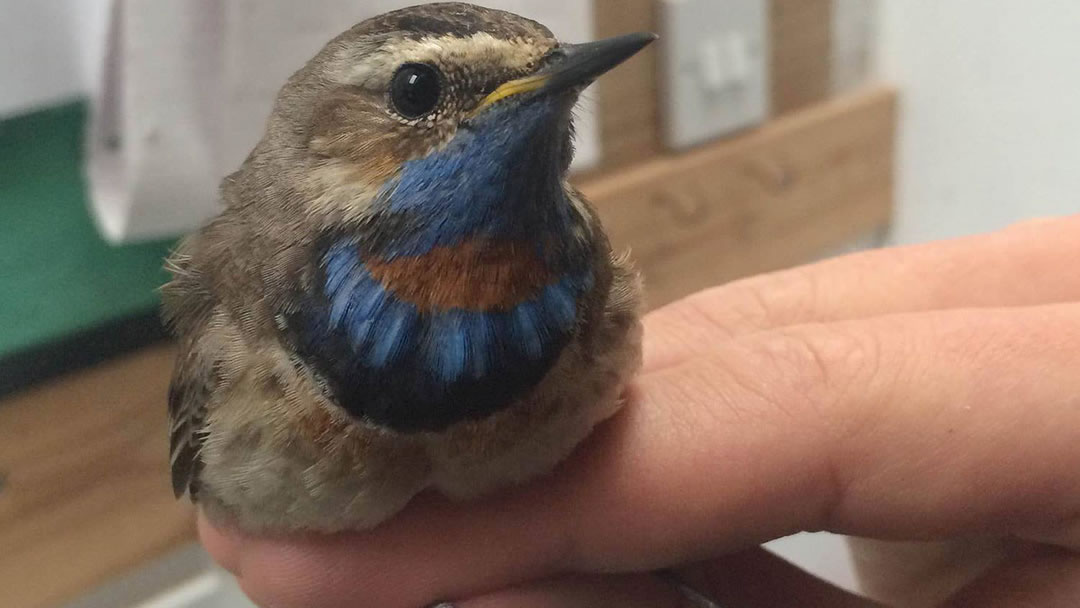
x: 413, y: 367
x: 500, y: 175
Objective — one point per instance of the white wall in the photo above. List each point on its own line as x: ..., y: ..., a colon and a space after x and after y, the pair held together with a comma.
x: 990, y: 132
x: 49, y: 50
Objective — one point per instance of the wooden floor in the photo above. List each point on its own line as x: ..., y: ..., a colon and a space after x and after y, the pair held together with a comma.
x: 86, y: 495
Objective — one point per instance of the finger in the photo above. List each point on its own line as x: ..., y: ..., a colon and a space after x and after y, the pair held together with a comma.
x: 1013, y: 267
x: 754, y: 577
x: 288, y: 580
x: 750, y: 578
x: 758, y: 578
x: 1065, y: 535
x: 915, y: 426
x: 588, y: 591
x: 221, y: 543
x: 1048, y: 580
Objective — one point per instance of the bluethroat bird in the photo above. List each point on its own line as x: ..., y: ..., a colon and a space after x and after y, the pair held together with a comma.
x: 402, y: 292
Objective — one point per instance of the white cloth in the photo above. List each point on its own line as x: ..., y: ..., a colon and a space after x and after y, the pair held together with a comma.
x: 188, y: 84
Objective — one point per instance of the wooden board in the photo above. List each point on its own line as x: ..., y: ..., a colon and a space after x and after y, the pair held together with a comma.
x: 801, y: 42
x: 86, y: 494
x: 772, y: 198
x: 628, y: 98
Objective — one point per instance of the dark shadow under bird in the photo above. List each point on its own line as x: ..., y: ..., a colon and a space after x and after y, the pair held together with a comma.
x: 402, y: 291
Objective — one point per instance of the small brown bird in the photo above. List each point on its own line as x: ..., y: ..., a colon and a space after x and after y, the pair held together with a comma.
x: 402, y: 292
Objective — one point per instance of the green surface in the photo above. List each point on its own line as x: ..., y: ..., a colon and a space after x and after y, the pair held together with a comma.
x: 57, y: 275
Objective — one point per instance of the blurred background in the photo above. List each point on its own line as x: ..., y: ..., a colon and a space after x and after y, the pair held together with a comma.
x: 758, y: 134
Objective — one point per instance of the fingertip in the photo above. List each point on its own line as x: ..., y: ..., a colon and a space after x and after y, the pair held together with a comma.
x: 222, y: 543
x: 349, y: 569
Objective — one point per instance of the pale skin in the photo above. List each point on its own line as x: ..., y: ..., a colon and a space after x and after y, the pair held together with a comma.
x: 924, y: 393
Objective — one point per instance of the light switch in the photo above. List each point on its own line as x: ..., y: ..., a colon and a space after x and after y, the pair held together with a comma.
x: 723, y: 62
x: 714, y: 69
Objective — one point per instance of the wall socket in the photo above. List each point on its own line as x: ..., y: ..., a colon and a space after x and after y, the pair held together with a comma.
x: 714, y: 68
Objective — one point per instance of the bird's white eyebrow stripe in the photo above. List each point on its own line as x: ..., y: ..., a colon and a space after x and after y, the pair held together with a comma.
x: 480, y: 48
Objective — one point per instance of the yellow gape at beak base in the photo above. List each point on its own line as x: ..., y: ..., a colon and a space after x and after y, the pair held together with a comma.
x: 513, y: 87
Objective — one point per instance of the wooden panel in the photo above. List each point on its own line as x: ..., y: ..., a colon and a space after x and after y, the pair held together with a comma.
x: 773, y: 198
x: 629, y: 111
x: 801, y: 39
x: 86, y: 494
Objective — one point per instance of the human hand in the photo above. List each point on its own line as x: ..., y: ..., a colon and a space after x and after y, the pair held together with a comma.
x: 921, y: 393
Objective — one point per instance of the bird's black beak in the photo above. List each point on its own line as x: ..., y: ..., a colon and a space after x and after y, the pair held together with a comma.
x: 573, y: 65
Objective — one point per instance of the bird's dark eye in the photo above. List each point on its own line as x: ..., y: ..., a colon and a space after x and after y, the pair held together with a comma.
x: 415, y: 90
